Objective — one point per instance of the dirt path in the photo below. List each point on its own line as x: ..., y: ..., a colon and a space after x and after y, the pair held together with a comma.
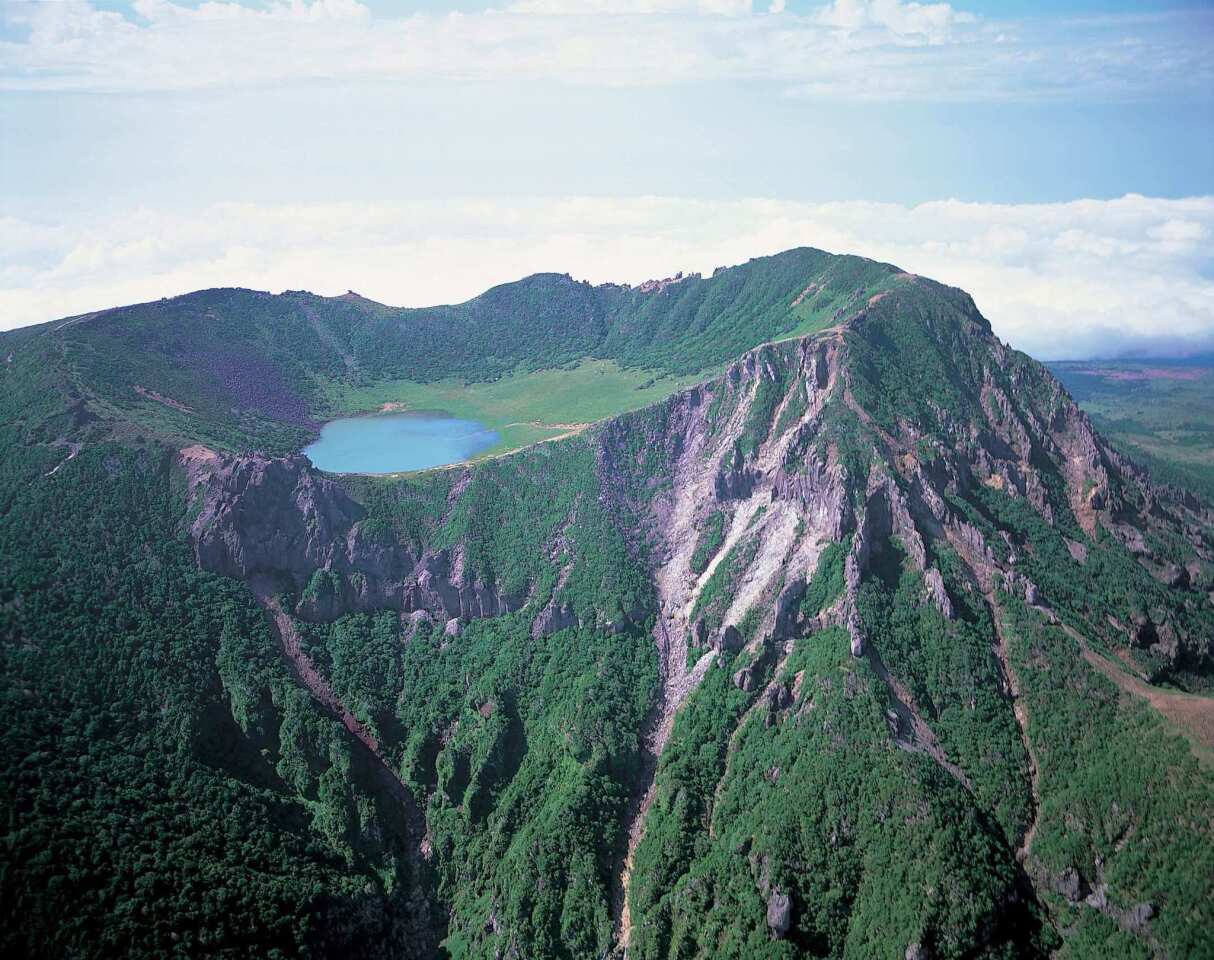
x: 73, y: 451
x: 570, y: 427
x: 1022, y: 721
x: 677, y: 682
x: 1194, y: 714
x: 693, y: 483
x: 162, y: 399
x: 431, y: 920
x: 642, y: 797
x: 1191, y: 713
x: 573, y: 431
x: 305, y: 670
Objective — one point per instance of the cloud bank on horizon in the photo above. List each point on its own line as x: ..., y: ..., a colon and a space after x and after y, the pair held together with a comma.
x: 1064, y: 280
x: 420, y: 154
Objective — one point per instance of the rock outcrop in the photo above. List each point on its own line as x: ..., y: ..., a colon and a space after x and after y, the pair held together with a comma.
x: 263, y: 515
x: 779, y: 913
x: 728, y: 495
x: 280, y: 518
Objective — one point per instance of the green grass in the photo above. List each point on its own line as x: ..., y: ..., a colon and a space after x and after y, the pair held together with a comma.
x: 812, y: 323
x: 527, y: 407
x: 817, y: 313
x: 524, y: 408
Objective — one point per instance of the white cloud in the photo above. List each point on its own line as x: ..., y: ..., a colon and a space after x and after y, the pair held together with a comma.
x: 933, y: 21
x: 1058, y: 280
x: 559, y: 8
x: 847, y: 48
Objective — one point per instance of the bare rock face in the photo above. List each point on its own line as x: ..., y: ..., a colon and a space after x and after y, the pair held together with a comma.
x: 1198, y: 576
x: 851, y: 616
x: 440, y: 582
x: 735, y: 483
x: 887, y: 513
x: 1138, y: 917
x: 779, y: 914
x: 552, y: 619
x: 937, y: 592
x: 280, y: 518
x: 729, y: 639
x: 819, y: 468
x: 262, y: 515
x: 1143, y: 633
x: 414, y: 622
x: 1071, y: 885
x: 821, y: 491
x: 787, y: 605
x: 1078, y: 552
x: 1167, y: 643
x: 1174, y: 576
x: 777, y: 699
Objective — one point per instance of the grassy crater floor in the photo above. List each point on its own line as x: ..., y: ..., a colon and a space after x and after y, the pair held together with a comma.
x: 524, y: 408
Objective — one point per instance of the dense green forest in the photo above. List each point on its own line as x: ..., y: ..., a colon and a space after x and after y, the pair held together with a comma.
x: 858, y: 643
x: 167, y: 788
x: 166, y: 775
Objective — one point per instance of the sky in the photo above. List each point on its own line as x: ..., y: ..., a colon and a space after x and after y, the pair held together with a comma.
x: 1055, y: 160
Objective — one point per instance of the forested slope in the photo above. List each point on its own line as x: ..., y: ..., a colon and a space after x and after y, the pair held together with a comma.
x: 868, y: 646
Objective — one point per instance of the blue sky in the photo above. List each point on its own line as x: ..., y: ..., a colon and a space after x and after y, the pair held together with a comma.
x: 137, y: 129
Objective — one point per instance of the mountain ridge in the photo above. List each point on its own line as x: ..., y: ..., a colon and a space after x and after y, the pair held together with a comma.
x: 259, y: 366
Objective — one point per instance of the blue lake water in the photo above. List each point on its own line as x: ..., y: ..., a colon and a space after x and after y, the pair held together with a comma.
x: 392, y: 442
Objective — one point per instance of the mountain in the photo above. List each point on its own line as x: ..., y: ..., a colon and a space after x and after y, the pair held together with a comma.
x: 865, y: 644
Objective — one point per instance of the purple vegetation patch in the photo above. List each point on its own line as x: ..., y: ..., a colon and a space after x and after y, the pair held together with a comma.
x: 249, y: 383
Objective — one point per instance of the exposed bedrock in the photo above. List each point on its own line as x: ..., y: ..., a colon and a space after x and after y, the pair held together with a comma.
x: 263, y: 515
x: 729, y: 495
x: 279, y: 517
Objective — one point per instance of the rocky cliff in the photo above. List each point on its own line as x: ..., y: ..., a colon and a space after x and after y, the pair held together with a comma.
x: 866, y: 645
x: 279, y: 518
